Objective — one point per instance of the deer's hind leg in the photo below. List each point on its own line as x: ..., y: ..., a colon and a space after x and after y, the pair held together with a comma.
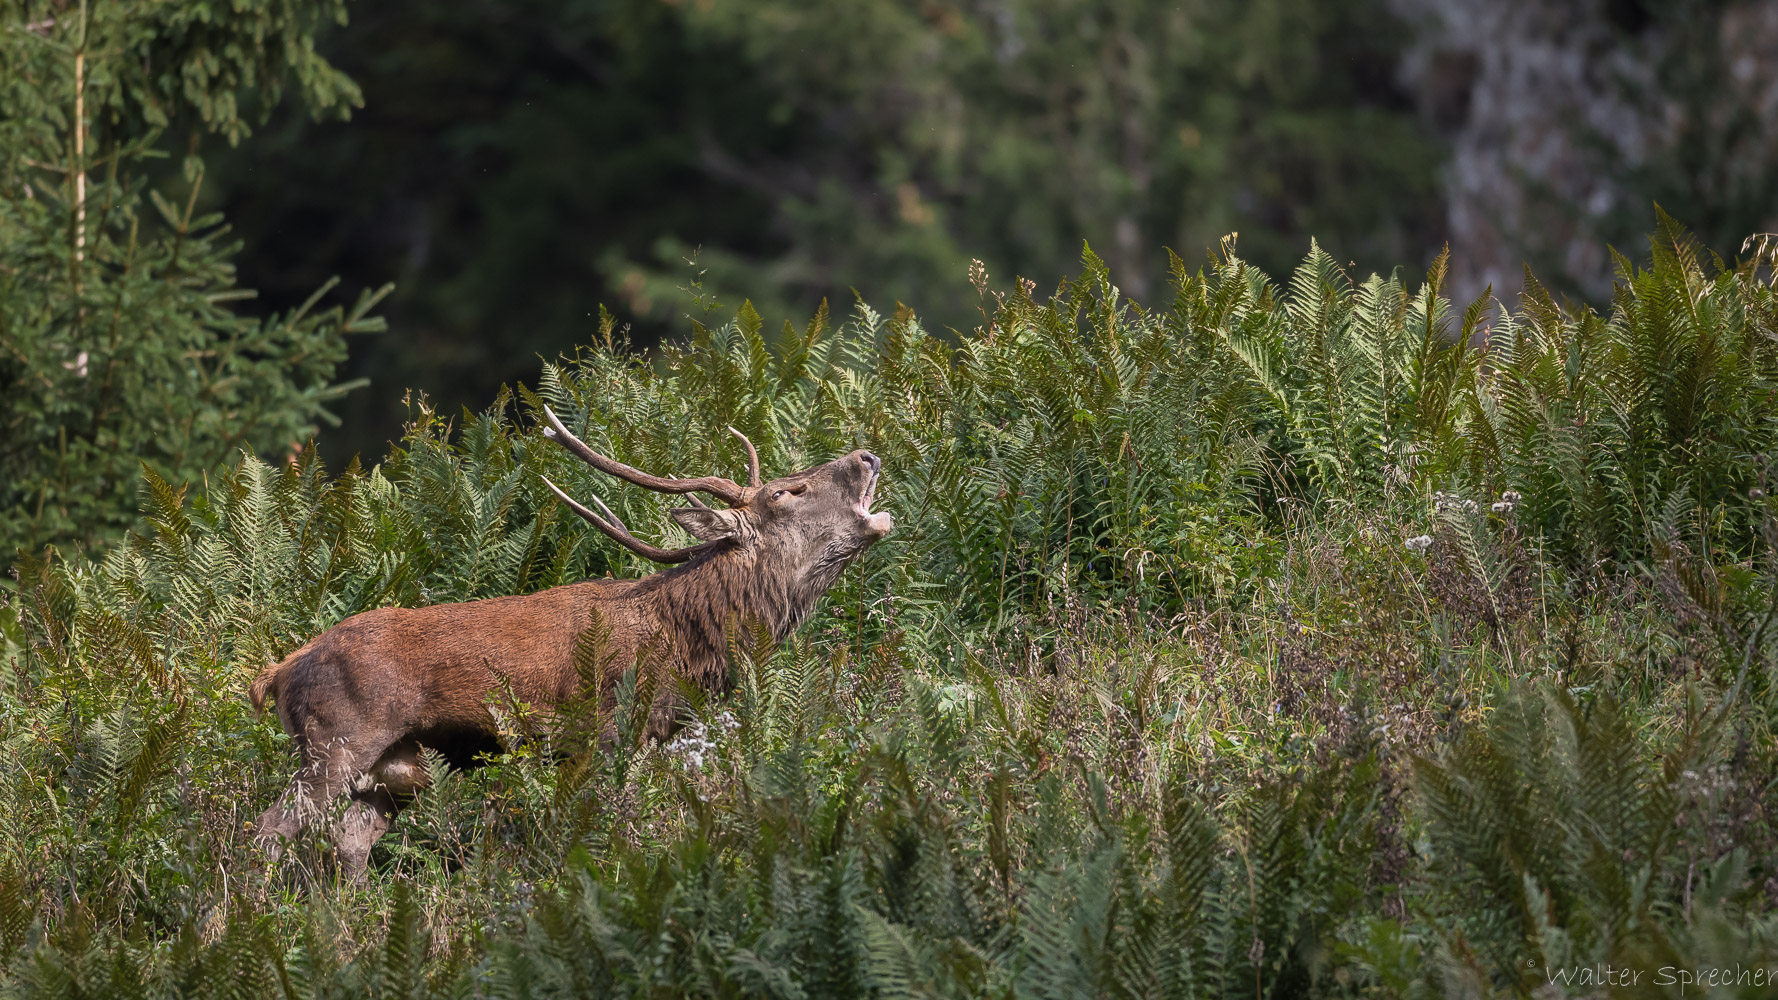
x: 332, y: 766
x: 366, y: 819
x: 377, y: 795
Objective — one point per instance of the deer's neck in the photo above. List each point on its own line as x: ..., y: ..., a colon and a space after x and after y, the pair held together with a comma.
x: 698, y: 600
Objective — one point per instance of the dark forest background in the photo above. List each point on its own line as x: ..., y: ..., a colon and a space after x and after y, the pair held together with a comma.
x: 517, y: 165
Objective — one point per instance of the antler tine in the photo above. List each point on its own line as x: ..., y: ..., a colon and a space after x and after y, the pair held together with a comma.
x: 609, y: 516
x: 693, y: 497
x: 752, y: 459
x: 725, y: 490
x: 621, y: 535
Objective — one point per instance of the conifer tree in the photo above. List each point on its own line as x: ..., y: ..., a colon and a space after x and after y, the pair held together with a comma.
x: 120, y: 342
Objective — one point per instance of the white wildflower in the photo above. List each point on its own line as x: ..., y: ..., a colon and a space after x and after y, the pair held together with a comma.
x: 692, y: 744
x: 1502, y: 507
x: 1419, y: 543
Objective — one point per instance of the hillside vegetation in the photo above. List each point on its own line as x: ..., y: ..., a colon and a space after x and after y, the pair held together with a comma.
x: 1314, y: 638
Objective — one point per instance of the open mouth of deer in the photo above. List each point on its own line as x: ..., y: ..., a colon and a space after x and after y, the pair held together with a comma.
x: 877, y: 523
x: 869, y: 495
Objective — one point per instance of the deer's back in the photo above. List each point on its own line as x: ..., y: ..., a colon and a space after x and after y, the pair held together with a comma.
x: 434, y: 667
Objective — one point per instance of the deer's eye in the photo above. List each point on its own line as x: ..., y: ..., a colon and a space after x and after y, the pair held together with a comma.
x: 795, y: 491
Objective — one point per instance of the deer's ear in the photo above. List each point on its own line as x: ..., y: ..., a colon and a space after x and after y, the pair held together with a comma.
x: 705, y: 523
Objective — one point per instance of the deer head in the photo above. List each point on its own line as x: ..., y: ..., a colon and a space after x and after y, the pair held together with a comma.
x: 807, y: 525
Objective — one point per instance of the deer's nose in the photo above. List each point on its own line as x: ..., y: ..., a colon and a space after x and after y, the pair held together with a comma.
x: 875, y: 463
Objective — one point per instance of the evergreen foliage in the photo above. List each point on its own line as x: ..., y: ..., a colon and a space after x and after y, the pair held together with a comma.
x: 519, y: 163
x: 1145, y: 697
x: 118, y: 340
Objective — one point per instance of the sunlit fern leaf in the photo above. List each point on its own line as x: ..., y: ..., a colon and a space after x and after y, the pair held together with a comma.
x: 166, y: 512
x: 400, y: 968
x: 240, y: 964
x: 159, y: 752
x: 1481, y: 550
x: 17, y: 909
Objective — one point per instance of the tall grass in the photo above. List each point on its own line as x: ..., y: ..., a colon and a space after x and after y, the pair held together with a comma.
x: 1146, y: 696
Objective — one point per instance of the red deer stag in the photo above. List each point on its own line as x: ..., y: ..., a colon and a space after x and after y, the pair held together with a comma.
x: 361, y: 699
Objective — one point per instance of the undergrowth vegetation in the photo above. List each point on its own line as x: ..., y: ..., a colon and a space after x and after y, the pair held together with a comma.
x: 1278, y: 640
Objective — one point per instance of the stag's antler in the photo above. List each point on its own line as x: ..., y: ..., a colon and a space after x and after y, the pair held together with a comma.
x: 752, y: 459
x: 620, y: 532
x: 723, y: 489
x: 693, y: 497
x: 726, y: 490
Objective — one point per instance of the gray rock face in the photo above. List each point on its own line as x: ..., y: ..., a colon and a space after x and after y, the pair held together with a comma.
x: 1567, y: 117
